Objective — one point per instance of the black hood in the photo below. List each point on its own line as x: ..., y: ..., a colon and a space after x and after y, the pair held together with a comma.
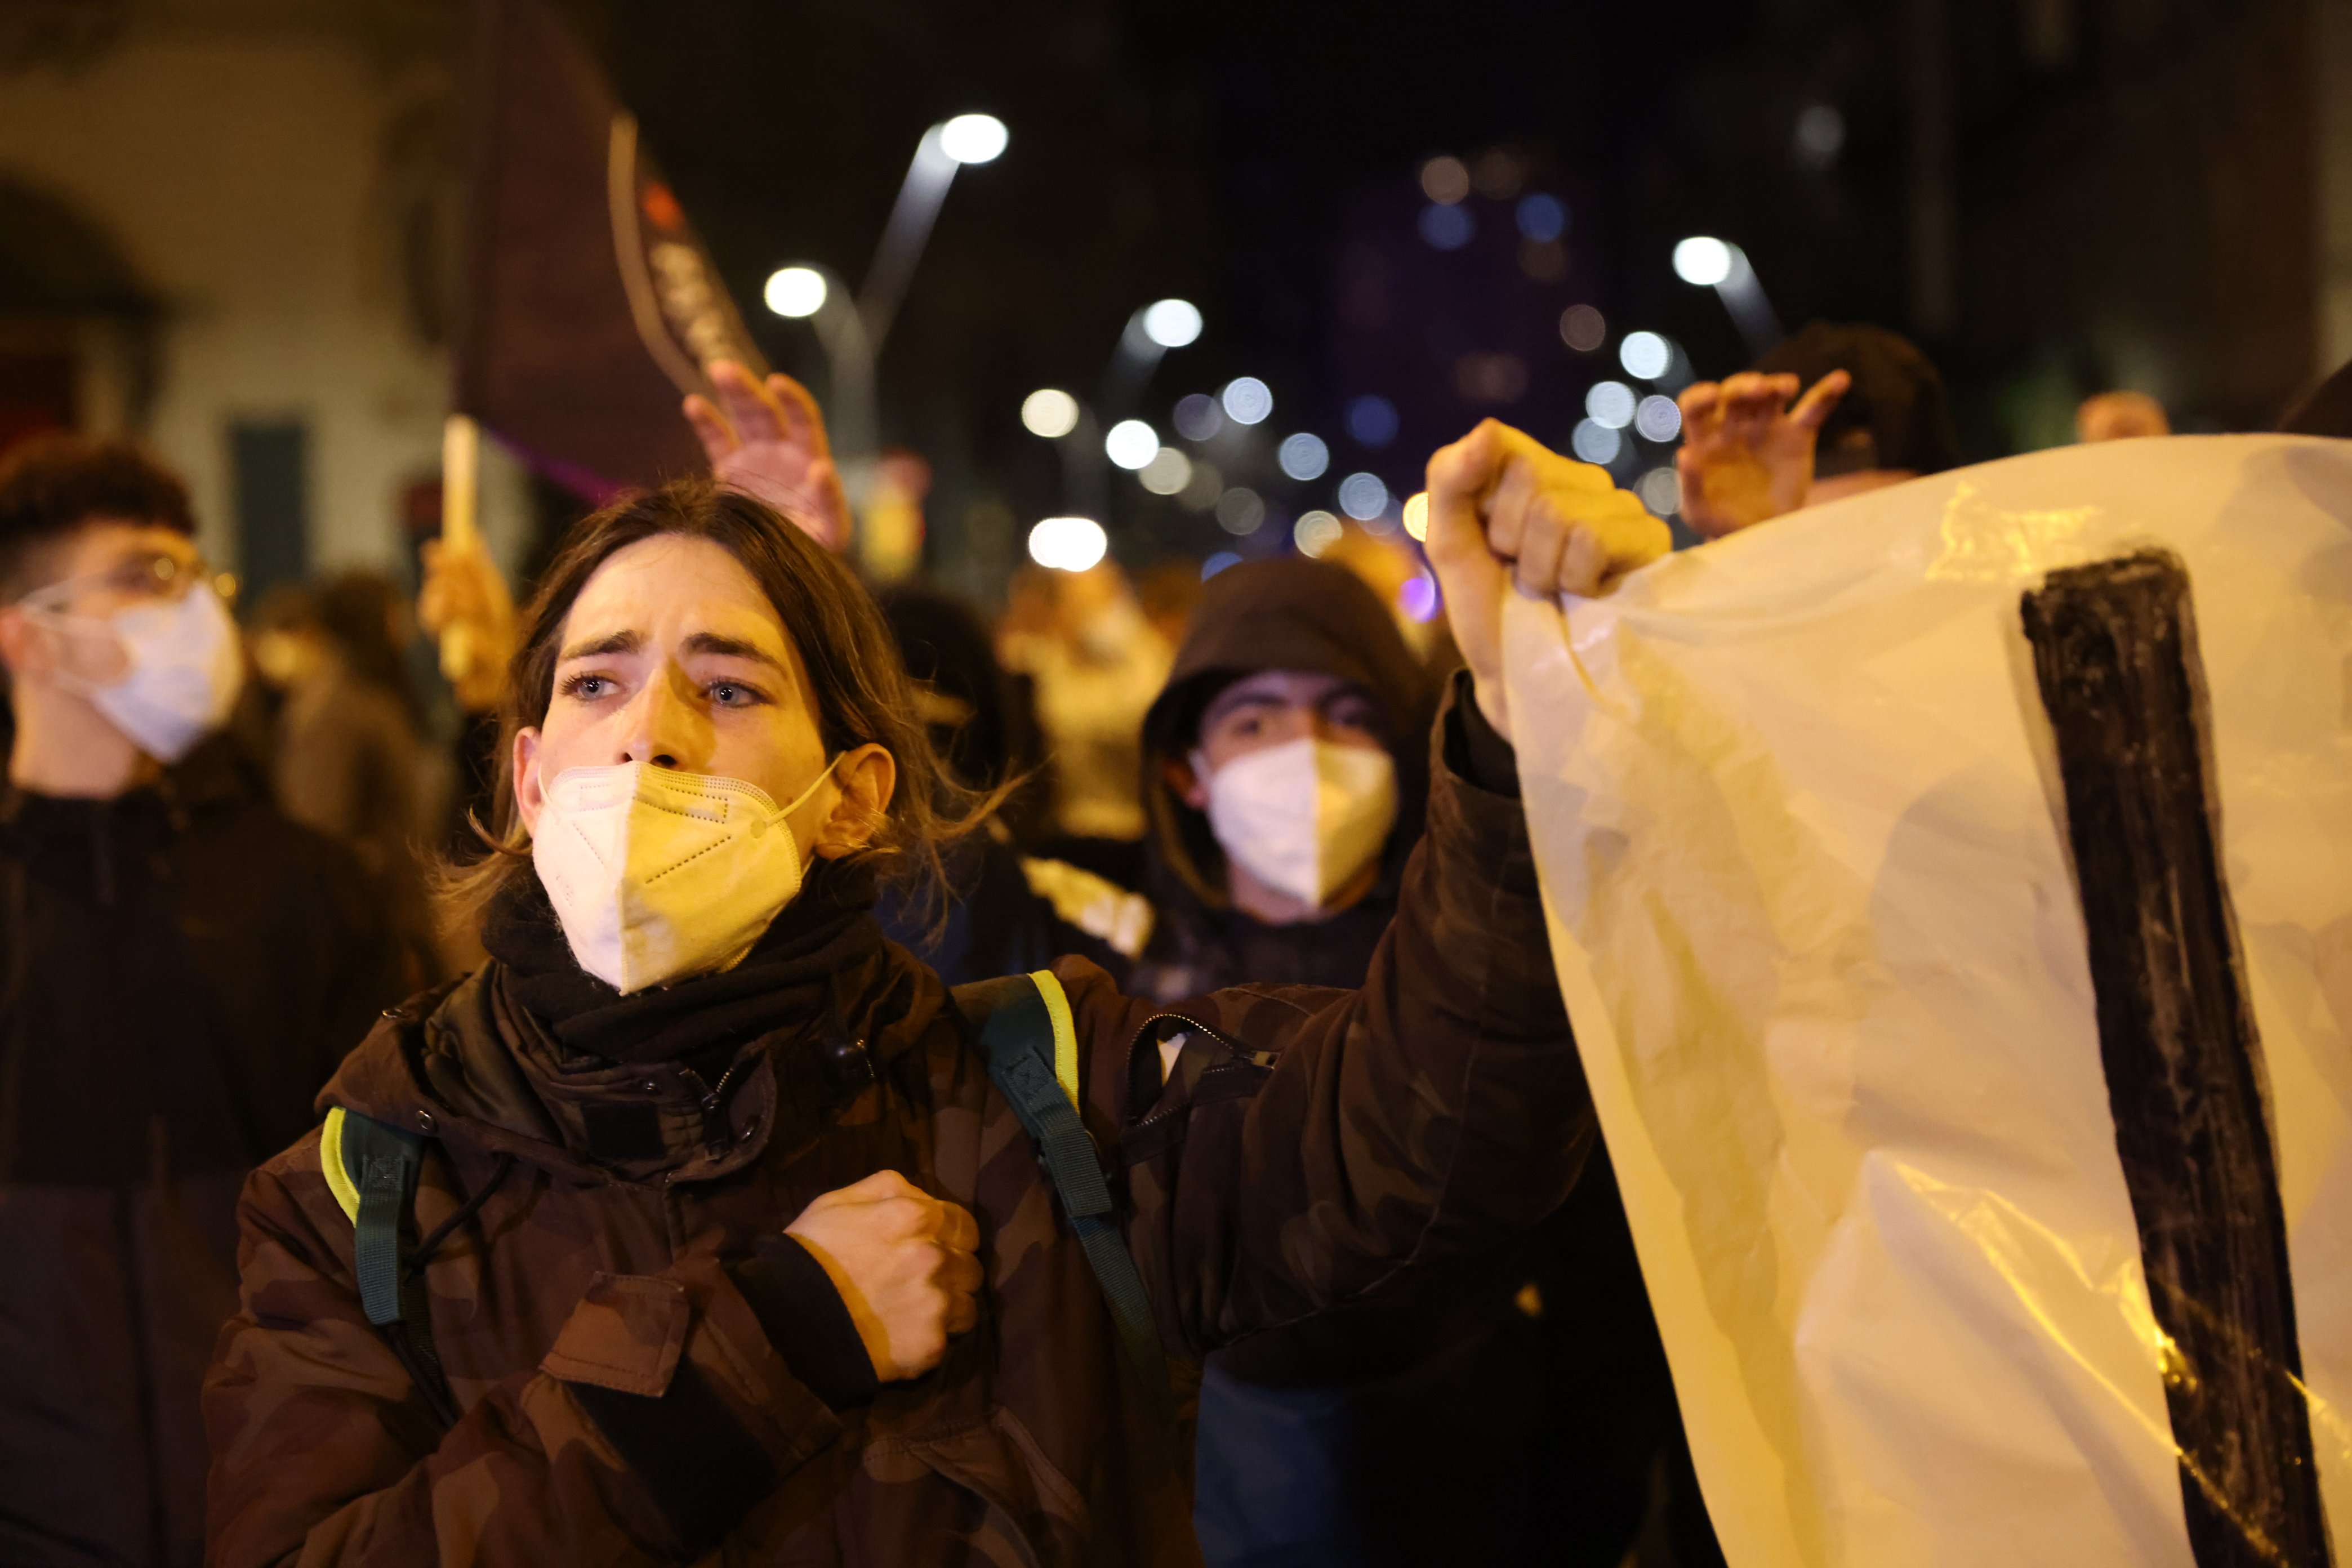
x: 1291, y: 613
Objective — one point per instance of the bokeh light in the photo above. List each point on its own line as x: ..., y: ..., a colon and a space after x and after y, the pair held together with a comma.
x: 1247, y: 400
x: 1067, y: 543
x: 1202, y: 490
x: 1303, y: 457
x: 1821, y: 136
x: 1703, y: 261
x: 1363, y: 494
x: 1372, y: 420
x: 1218, y: 563
x: 1645, y: 354
x: 1661, y: 490
x: 1198, y: 417
x: 1416, y: 515
x: 795, y: 291
x: 1595, y: 443
x: 1239, y: 511
x: 1584, y: 329
x: 1444, y: 181
x: 1132, y: 444
x: 1172, y: 323
x: 1447, y: 228
x: 1542, y: 217
x: 1169, y: 472
x: 1418, y: 598
x: 973, y: 138
x: 1049, y: 412
x: 1317, y: 532
x: 1610, y: 403
x: 1658, y: 418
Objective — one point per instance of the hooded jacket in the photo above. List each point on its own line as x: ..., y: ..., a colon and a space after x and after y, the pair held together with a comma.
x: 631, y: 1359
x: 181, y: 968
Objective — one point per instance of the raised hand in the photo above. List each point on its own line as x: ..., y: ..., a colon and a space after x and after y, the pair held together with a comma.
x: 1746, y: 455
x: 466, y: 604
x: 766, y: 439
x: 904, y: 1263
x: 1508, y: 513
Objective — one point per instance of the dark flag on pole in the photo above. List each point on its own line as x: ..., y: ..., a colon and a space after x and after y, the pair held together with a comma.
x: 590, y: 307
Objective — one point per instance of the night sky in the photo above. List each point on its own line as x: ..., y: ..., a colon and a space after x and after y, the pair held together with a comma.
x: 1264, y: 161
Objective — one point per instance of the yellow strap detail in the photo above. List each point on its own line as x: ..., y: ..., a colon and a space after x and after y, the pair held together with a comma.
x: 1066, y: 1033
x: 330, y: 1161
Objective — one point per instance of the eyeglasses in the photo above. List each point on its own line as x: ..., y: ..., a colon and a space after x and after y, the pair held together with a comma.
x: 145, y: 575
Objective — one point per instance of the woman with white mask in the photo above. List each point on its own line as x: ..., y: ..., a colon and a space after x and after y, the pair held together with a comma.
x: 719, y: 1233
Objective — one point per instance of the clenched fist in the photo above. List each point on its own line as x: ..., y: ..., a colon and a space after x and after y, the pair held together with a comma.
x: 903, y: 1263
x: 1504, y: 511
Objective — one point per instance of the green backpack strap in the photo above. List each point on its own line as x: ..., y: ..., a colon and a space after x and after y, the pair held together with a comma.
x: 372, y: 1168
x: 1021, y: 1026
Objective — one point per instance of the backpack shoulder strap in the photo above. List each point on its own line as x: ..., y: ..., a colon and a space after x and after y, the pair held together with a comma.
x: 372, y: 1169
x: 1021, y: 1026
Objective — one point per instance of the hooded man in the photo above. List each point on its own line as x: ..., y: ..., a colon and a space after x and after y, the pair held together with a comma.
x: 1465, y: 1412
x: 180, y: 970
x: 1281, y: 787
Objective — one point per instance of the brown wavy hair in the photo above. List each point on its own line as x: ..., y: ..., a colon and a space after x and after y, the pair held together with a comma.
x: 863, y: 694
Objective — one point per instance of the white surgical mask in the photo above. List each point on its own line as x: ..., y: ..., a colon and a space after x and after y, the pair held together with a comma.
x: 1305, y: 816
x: 657, y: 874
x: 182, y: 671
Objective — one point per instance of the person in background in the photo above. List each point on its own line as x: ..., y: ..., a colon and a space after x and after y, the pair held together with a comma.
x: 2119, y: 416
x: 181, y: 968
x: 1872, y: 413
x: 1095, y: 662
x: 991, y: 923
x: 349, y: 759
x: 1507, y: 1409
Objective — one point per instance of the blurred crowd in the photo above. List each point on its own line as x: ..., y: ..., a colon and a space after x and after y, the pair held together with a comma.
x: 226, y: 821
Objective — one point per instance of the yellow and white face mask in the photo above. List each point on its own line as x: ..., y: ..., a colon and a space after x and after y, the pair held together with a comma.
x: 658, y: 875
x: 1305, y: 816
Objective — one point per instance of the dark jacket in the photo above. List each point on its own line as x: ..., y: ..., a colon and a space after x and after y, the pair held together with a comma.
x: 628, y: 1397
x: 1452, y: 1413
x: 180, y: 970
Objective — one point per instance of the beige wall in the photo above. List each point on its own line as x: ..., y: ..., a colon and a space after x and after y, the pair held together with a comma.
x: 242, y: 171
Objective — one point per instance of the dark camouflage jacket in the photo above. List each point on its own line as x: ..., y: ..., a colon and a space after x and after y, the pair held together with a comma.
x: 586, y: 1309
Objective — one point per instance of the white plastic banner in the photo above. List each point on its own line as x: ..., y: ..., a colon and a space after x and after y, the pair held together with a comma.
x: 1819, y: 811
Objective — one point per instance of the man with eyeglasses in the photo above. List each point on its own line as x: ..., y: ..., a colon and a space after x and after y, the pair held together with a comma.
x: 180, y: 970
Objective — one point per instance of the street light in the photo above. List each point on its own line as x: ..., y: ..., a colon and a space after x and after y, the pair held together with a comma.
x: 795, y: 292
x: 945, y: 148
x: 973, y: 138
x: 1172, y: 323
x: 808, y: 291
x: 1705, y: 262
x: 1148, y: 336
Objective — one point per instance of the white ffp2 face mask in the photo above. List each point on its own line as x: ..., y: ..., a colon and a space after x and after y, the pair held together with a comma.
x: 657, y: 874
x: 183, y: 676
x: 1305, y: 816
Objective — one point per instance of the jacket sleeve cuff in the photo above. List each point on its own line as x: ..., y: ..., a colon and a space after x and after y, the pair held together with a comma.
x: 1472, y: 749
x: 807, y: 1321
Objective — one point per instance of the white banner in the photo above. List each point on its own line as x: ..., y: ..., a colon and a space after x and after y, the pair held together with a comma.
x: 1803, y: 821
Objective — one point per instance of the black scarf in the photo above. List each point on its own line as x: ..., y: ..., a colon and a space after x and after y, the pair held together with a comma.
x: 808, y: 960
